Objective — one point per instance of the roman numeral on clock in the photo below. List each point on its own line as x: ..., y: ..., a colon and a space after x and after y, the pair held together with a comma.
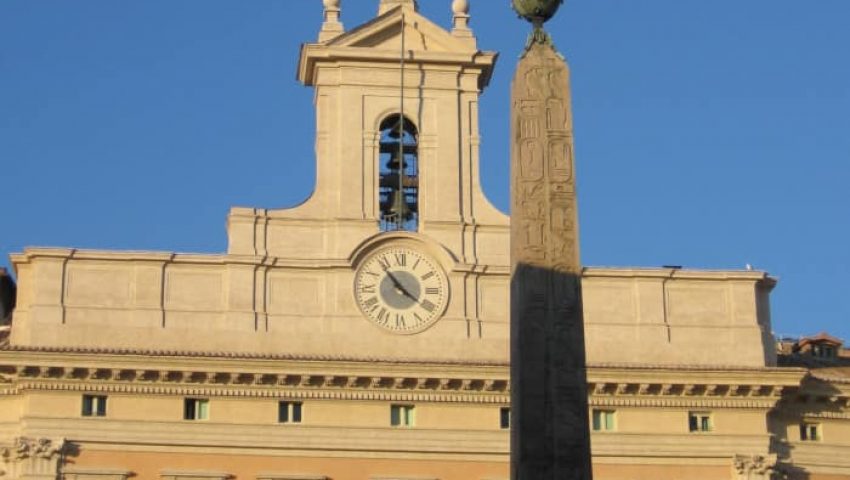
x: 432, y: 291
x: 384, y: 262
x: 367, y: 289
x: 401, y: 259
x: 428, y: 306
x: 427, y: 275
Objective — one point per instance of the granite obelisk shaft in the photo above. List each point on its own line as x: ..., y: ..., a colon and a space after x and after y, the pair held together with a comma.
x: 550, y: 432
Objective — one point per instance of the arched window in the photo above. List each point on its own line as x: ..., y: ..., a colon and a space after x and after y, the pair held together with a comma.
x: 398, y: 164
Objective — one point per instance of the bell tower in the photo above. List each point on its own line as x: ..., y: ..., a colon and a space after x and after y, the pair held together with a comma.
x: 396, y: 142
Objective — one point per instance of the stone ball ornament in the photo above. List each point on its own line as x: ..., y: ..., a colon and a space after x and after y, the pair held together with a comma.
x: 460, y: 7
x: 536, y: 11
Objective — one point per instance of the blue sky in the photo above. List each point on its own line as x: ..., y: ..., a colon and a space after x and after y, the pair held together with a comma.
x: 708, y: 134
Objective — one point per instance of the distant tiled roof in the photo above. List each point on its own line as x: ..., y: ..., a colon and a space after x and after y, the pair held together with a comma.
x: 821, y: 337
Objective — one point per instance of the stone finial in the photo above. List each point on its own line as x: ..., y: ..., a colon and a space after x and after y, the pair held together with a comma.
x: 460, y: 7
x: 460, y: 23
x: 387, y: 5
x: 332, y: 27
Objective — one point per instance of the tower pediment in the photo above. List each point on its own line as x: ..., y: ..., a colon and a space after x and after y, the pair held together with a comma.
x: 384, y: 33
x: 381, y: 40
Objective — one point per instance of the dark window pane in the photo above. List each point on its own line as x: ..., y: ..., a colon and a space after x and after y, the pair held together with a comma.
x: 283, y: 412
x: 296, y: 412
x: 505, y: 418
x: 87, y: 405
x: 189, y: 406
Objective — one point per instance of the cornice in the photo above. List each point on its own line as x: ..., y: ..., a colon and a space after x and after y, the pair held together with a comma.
x: 32, y: 253
x: 821, y: 458
x: 758, y: 403
x: 676, y: 273
x: 290, y: 377
x: 226, y: 377
x: 62, y: 355
x: 845, y: 380
x: 327, y: 392
x: 15, y: 353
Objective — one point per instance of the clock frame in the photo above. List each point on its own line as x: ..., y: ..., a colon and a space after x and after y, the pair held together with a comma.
x: 401, y: 289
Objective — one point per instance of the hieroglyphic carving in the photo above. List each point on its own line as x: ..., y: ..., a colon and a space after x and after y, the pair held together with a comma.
x: 550, y: 437
x: 543, y: 162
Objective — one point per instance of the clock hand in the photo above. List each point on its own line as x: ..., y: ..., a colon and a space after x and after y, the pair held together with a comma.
x: 399, y: 286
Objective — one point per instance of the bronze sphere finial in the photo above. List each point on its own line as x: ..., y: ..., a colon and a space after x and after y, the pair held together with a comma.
x: 536, y: 11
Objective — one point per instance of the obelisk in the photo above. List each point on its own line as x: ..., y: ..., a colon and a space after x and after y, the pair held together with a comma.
x: 550, y: 432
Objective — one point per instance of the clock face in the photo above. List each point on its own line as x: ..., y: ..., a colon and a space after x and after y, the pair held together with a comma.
x: 401, y: 289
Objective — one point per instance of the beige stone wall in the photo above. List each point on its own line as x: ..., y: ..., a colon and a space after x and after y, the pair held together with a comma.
x: 826, y: 405
x: 663, y: 316
x: 346, y: 425
x: 11, y: 408
x: 149, y: 466
x: 240, y: 304
x: 660, y: 472
x: 232, y: 410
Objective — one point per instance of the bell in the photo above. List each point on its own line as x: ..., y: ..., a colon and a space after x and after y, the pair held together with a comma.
x: 396, y: 129
x: 393, y: 163
x: 398, y: 207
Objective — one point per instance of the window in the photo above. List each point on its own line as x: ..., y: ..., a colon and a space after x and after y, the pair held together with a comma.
x: 824, y: 351
x: 603, y: 420
x: 289, y: 412
x: 402, y: 415
x: 94, y: 405
x: 196, y: 409
x: 810, y: 432
x: 398, y: 182
x: 505, y: 418
x: 699, y: 422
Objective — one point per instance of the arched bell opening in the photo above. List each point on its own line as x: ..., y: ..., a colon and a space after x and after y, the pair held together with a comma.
x: 398, y: 164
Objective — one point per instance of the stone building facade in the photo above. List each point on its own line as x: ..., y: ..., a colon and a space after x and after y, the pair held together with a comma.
x: 364, y: 334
